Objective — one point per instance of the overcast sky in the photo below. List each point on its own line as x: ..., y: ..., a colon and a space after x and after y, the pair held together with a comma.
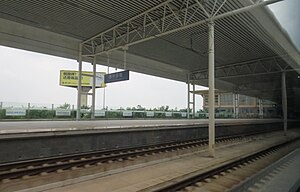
x: 288, y: 14
x: 33, y: 77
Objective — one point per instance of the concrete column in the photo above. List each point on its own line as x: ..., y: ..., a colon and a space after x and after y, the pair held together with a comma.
x: 94, y: 88
x: 211, y: 92
x: 188, y: 96
x: 79, y: 84
x: 284, y: 102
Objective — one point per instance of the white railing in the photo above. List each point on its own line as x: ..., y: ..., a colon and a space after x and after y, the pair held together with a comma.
x: 15, y: 110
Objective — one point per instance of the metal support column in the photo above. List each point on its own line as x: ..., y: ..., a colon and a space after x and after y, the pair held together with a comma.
x: 1, y: 106
x: 125, y: 49
x: 233, y: 104
x: 194, y: 109
x: 236, y: 105
x: 72, y: 111
x: 79, y: 84
x: 188, y: 96
x: 284, y: 102
x: 52, y: 110
x: 104, y: 90
x: 211, y: 92
x: 94, y: 88
x: 28, y: 111
x: 260, y: 109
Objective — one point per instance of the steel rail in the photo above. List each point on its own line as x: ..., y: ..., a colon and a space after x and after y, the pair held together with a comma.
x: 176, y: 186
x: 35, y: 167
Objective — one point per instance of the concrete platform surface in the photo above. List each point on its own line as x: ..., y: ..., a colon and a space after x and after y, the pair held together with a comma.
x: 41, y: 126
x: 283, y: 175
x: 156, y: 173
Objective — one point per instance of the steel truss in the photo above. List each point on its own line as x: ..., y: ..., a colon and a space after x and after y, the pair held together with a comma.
x: 260, y: 86
x: 263, y: 66
x: 168, y: 17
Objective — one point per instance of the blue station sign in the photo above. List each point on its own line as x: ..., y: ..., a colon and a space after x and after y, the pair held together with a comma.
x: 114, y: 77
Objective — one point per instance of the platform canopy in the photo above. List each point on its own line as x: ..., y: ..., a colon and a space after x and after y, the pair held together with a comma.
x: 165, y: 38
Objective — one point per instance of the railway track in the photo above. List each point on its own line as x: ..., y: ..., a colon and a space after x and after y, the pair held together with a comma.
x: 225, y: 177
x: 25, y: 169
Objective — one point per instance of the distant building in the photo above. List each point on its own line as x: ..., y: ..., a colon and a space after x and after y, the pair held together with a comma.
x: 239, y: 106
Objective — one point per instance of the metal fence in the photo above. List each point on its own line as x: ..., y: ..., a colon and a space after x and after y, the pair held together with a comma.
x: 36, y: 111
x: 32, y: 111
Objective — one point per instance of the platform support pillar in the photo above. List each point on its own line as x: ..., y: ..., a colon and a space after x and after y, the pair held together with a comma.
x: 79, y: 84
x: 94, y: 88
x: 284, y: 102
x: 194, y: 101
x: 104, y: 89
x: 28, y: 111
x: 211, y: 92
x: 236, y: 105
x: 260, y: 108
x: 188, y: 96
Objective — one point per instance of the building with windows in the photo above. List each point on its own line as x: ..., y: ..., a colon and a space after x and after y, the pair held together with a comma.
x: 239, y: 106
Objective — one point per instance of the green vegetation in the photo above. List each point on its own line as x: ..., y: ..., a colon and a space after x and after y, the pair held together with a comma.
x: 41, y: 114
x: 65, y: 106
x: 2, y: 113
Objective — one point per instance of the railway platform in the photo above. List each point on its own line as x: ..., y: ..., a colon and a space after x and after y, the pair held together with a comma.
x: 282, y: 175
x: 12, y: 127
x: 21, y: 141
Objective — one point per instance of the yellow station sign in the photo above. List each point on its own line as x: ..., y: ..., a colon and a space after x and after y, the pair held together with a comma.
x: 70, y: 78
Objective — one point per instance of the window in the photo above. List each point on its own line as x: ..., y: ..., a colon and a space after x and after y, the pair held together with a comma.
x: 242, y: 99
x: 206, y: 99
x: 216, y: 99
x: 250, y: 100
x: 226, y: 99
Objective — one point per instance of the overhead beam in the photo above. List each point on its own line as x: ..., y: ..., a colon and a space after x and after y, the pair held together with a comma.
x: 21, y: 36
x: 265, y: 66
x: 161, y: 20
